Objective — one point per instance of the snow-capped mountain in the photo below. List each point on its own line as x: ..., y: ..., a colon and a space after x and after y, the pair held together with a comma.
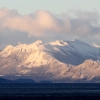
x: 59, y: 61
x: 74, y: 52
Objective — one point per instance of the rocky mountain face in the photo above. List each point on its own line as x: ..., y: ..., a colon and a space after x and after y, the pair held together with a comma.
x: 59, y: 61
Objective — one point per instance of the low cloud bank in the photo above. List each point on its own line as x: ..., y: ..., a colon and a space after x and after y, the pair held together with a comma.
x: 43, y: 23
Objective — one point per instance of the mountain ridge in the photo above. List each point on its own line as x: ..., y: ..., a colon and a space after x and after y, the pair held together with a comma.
x: 68, y: 61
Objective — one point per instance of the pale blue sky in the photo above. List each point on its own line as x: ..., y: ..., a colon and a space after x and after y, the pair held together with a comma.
x: 55, y: 6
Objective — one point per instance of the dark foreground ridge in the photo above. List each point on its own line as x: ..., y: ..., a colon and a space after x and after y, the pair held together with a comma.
x: 21, y: 80
x: 2, y: 80
x: 49, y: 91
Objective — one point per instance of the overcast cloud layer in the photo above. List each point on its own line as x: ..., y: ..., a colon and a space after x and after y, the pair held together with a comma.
x: 43, y: 24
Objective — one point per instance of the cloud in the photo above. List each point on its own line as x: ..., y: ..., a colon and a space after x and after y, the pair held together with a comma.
x: 37, y: 24
x: 43, y: 24
x: 86, y: 23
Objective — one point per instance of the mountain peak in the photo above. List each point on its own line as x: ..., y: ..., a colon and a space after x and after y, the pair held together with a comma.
x: 95, y: 45
x: 59, y: 43
x: 78, y: 41
x: 38, y: 42
x: 75, y: 40
x: 19, y: 43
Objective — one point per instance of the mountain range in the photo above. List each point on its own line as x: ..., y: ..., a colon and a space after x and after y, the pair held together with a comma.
x: 58, y: 61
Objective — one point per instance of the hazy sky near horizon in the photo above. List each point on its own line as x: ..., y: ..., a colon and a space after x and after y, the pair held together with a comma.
x: 28, y: 20
x: 54, y: 6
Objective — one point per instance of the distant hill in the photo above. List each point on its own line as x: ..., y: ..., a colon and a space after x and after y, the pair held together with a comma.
x: 45, y: 81
x: 2, y: 80
x: 5, y: 81
x: 24, y: 81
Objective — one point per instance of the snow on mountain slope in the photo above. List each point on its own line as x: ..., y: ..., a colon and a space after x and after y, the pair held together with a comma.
x: 67, y: 61
x: 23, y: 58
x: 74, y: 52
x: 89, y: 70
